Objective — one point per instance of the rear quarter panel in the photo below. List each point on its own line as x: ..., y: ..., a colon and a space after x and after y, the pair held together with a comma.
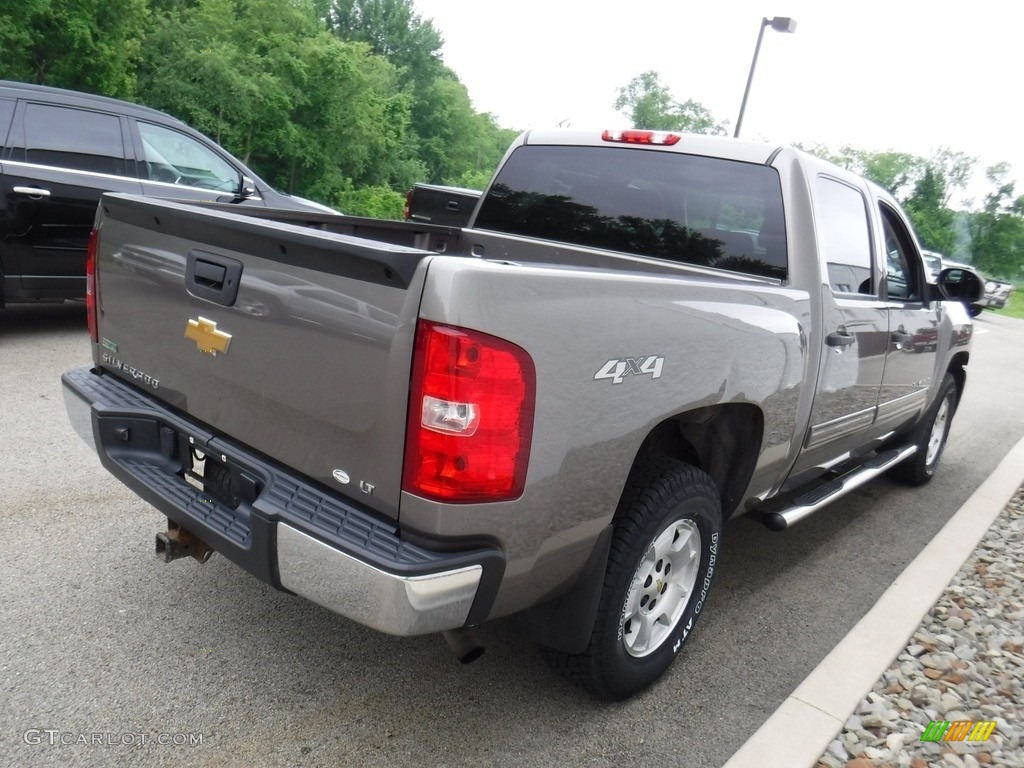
x: 722, y: 341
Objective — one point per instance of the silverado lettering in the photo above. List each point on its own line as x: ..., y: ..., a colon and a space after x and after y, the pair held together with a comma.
x: 130, y: 370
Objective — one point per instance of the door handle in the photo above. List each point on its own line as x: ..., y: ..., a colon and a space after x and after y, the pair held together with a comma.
x: 900, y: 337
x: 840, y: 339
x: 32, y: 191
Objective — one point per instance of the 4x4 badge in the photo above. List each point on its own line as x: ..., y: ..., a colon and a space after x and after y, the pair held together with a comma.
x: 208, y: 339
x: 617, y: 370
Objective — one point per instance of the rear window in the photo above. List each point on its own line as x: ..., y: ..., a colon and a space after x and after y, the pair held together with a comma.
x: 696, y: 210
x: 74, y: 138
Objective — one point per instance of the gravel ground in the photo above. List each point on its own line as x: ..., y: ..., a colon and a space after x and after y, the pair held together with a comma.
x: 964, y: 663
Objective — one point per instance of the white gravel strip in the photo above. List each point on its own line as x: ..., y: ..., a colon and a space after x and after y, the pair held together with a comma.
x: 832, y: 700
x: 965, y: 663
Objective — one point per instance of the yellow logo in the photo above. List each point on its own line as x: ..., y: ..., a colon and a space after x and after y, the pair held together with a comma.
x: 208, y: 339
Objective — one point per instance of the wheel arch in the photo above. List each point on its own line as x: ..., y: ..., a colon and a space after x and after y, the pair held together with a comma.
x: 958, y: 370
x: 722, y: 440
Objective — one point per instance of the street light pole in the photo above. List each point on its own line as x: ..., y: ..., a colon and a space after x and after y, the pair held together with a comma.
x: 780, y: 24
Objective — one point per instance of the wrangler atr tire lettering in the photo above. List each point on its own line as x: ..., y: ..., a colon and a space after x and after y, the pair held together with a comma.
x: 707, y: 577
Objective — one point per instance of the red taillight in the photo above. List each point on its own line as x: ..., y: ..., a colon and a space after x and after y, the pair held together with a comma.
x: 91, y: 255
x: 470, y: 416
x: 641, y: 137
x: 408, y: 204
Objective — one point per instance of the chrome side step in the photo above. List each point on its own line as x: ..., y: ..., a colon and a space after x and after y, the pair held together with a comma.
x: 811, y: 501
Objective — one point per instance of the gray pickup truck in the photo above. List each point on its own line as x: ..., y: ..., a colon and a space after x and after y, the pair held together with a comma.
x: 550, y: 412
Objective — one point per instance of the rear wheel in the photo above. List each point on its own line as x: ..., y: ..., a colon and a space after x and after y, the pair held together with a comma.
x: 930, y: 438
x: 660, y: 567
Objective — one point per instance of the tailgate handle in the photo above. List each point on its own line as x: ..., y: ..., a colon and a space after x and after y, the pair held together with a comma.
x: 212, y: 277
x: 453, y: 205
x: 209, y: 274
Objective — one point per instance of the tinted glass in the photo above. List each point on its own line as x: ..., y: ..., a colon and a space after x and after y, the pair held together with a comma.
x: 697, y: 210
x: 73, y: 138
x: 900, y: 255
x: 846, y: 237
x: 175, y: 158
x: 6, y: 113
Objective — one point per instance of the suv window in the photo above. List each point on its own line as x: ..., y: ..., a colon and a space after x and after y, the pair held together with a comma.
x: 696, y: 210
x: 846, y: 237
x: 73, y: 138
x: 6, y: 113
x: 175, y: 158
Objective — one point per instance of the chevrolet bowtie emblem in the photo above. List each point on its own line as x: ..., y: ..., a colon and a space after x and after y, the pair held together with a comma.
x: 208, y: 339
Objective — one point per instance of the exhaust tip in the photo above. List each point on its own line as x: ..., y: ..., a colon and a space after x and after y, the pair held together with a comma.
x: 465, y: 644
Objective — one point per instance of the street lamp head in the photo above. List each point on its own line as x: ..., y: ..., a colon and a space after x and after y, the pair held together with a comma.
x: 782, y: 24
x: 779, y: 24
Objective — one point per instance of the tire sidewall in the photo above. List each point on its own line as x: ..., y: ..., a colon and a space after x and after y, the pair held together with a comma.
x: 626, y: 674
x: 948, y: 396
x: 916, y: 470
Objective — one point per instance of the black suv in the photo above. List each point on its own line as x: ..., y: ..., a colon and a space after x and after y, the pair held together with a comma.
x: 61, y: 150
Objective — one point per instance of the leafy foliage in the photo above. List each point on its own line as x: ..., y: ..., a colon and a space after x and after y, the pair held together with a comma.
x: 648, y: 104
x: 87, y: 45
x: 927, y: 209
x: 997, y: 232
x: 346, y: 101
x: 450, y: 136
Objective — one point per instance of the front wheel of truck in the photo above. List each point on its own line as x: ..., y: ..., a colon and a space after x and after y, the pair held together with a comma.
x: 660, y: 568
x: 930, y: 438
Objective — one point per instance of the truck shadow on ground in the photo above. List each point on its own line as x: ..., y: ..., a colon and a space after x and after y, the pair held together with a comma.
x: 20, y: 320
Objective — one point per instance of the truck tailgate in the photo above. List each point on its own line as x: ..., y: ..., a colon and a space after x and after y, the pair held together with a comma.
x: 293, y: 342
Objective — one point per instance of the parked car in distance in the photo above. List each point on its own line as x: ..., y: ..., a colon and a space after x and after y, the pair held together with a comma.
x: 933, y: 262
x: 435, y: 204
x: 936, y: 262
x: 997, y: 293
x: 63, y: 149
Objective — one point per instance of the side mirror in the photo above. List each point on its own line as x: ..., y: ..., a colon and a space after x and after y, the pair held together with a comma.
x: 958, y: 284
x: 246, y: 188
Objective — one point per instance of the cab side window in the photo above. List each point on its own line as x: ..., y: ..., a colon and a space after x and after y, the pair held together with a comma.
x: 73, y: 138
x: 846, y: 237
x: 901, y: 280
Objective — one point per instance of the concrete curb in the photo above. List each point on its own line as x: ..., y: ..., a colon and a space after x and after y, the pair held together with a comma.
x: 800, y: 730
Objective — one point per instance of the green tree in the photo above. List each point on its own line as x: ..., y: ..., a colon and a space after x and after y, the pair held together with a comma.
x: 87, y: 45
x: 997, y: 231
x: 313, y: 114
x: 649, y: 104
x: 447, y: 135
x: 933, y: 220
x: 393, y: 30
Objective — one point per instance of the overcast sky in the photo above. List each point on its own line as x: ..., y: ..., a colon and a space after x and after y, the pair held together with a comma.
x: 874, y: 74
